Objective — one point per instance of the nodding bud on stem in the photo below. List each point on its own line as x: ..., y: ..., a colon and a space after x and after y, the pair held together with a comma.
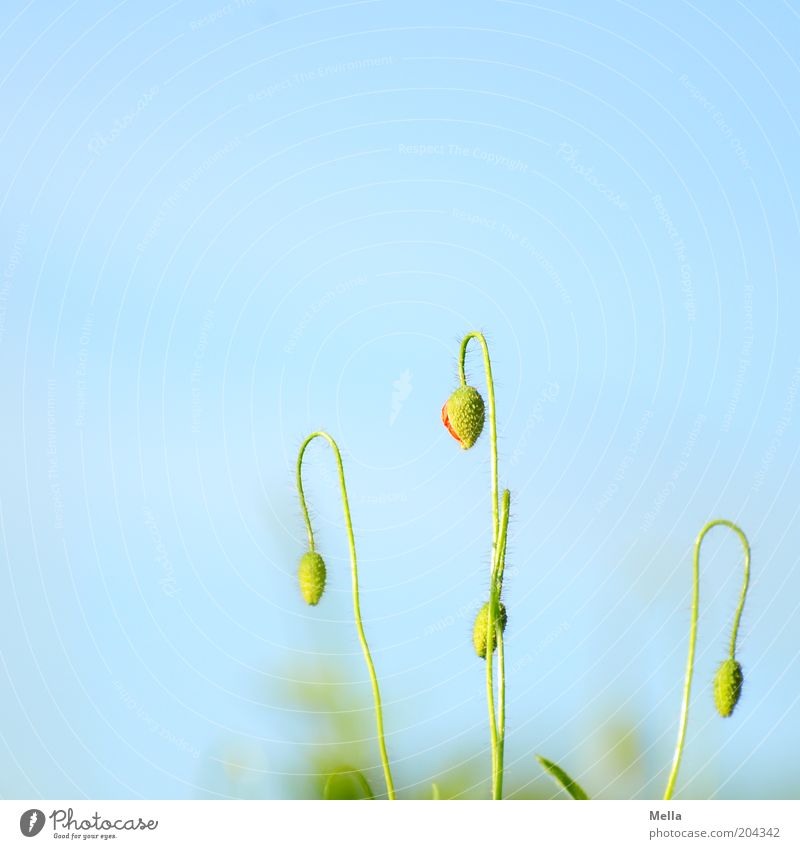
x: 728, y: 686
x: 464, y: 414
x: 311, y: 574
x: 482, y: 625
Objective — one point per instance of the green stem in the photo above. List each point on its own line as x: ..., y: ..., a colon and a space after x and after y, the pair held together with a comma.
x: 501, y: 714
x: 491, y: 619
x: 737, y: 617
x: 497, y: 718
x: 687, y: 686
x: 490, y: 702
x: 500, y: 564
x: 356, y: 603
x: 487, y: 365
x: 497, y: 582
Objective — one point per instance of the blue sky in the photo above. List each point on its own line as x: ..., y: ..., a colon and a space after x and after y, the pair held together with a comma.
x: 227, y: 225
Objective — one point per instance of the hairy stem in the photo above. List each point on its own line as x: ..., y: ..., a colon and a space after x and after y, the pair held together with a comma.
x: 356, y: 602
x: 497, y: 582
x: 493, y: 596
x: 687, y: 686
x: 487, y: 365
x: 491, y: 624
x: 497, y: 717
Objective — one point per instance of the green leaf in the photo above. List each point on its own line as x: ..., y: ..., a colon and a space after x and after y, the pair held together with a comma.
x: 572, y: 787
x: 347, y: 783
x: 435, y: 787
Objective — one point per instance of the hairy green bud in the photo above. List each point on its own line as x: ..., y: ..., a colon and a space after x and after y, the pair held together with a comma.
x: 482, y: 625
x: 728, y: 686
x: 311, y: 574
x: 464, y: 414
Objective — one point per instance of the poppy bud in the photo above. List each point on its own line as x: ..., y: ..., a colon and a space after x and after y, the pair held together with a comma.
x: 728, y: 686
x: 463, y: 415
x: 481, y: 626
x: 311, y: 574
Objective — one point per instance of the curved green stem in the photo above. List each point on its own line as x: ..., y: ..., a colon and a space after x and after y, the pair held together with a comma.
x: 497, y: 767
x: 356, y: 603
x: 487, y: 365
x: 687, y: 686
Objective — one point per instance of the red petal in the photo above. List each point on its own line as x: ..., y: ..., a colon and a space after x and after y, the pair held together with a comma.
x: 446, y: 423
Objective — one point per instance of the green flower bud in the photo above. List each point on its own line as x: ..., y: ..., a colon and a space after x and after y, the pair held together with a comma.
x: 728, y: 686
x: 481, y: 626
x: 464, y: 414
x: 311, y: 574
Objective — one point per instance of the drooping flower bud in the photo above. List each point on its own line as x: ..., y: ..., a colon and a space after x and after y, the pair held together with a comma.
x: 481, y: 626
x: 463, y: 415
x: 728, y: 686
x: 311, y: 574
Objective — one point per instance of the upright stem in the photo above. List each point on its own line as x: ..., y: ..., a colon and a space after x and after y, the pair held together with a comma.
x: 501, y: 714
x: 493, y: 735
x: 356, y: 603
x: 497, y: 718
x: 494, y: 604
x: 497, y: 765
x: 687, y: 686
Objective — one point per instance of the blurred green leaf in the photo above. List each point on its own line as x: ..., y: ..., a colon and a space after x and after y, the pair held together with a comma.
x: 572, y: 787
x: 347, y: 783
